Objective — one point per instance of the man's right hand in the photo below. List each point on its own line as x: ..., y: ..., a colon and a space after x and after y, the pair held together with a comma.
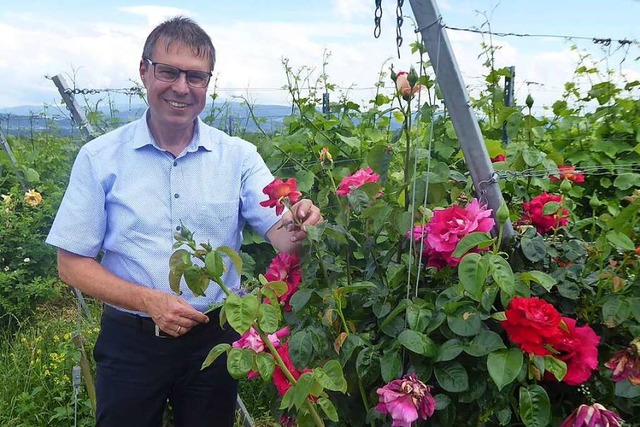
x: 172, y: 314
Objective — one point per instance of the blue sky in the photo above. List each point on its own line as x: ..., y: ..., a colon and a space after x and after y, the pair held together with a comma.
x: 98, y: 43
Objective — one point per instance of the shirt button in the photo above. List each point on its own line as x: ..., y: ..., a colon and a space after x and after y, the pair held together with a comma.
x: 175, y: 163
x: 178, y: 228
x: 176, y: 195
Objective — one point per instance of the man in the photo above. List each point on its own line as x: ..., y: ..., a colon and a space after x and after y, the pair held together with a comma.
x: 130, y: 190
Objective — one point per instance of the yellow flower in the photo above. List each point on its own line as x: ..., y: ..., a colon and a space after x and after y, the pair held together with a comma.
x: 6, y: 199
x: 32, y: 198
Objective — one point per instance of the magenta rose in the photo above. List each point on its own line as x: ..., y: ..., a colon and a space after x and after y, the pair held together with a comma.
x: 406, y: 400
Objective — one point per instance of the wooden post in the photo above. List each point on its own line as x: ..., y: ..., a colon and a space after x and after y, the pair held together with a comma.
x: 76, y: 113
x: 456, y: 98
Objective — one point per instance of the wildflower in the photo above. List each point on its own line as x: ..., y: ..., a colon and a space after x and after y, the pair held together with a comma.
x: 544, y: 223
x: 285, y: 267
x: 279, y: 190
x: 448, y: 226
x: 594, y: 415
x: 568, y: 172
x: 406, y: 400
x: 578, y: 348
x: 32, y: 198
x: 252, y: 340
x: 625, y: 364
x: 532, y: 323
x: 498, y: 158
x: 404, y: 87
x: 6, y: 199
x: 279, y: 379
x: 26, y: 260
x: 325, y: 155
x: 356, y: 180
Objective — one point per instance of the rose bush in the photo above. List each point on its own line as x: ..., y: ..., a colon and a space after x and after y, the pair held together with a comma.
x: 403, y: 307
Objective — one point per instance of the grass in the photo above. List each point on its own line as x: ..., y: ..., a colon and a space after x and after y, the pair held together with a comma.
x: 36, y: 362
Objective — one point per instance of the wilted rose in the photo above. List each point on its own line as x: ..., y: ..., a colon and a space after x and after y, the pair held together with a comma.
x: 594, y: 415
x: 406, y: 400
x: 32, y: 198
x: 625, y: 364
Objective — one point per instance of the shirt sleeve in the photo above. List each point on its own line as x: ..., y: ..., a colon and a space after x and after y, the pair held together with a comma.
x: 80, y: 223
x: 256, y: 175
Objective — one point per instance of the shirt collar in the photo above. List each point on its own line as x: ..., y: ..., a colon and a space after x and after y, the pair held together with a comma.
x: 143, y: 136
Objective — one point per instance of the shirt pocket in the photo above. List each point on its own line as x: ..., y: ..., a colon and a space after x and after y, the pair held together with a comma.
x: 219, y: 222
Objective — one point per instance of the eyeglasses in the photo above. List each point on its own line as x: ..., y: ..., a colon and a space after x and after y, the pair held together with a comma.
x: 169, y: 73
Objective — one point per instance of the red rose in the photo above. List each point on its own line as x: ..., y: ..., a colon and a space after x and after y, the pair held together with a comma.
x: 534, y: 213
x: 578, y: 348
x: 278, y: 190
x: 279, y: 379
x: 498, y: 158
x: 285, y: 267
x: 532, y: 323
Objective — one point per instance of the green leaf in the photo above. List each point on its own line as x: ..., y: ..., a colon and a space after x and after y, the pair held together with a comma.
x: 452, y: 377
x: 472, y: 273
x: 465, y: 322
x: 556, y: 366
x: 535, y: 407
x: 351, y: 141
x: 484, y: 343
x: 214, y: 264
x: 330, y: 376
x: 543, y: 279
x: 301, y: 348
x: 269, y: 318
x: 504, y: 366
x: 533, y: 249
x: 328, y: 409
x: 615, y: 311
x: 214, y: 353
x: 390, y: 366
x: 502, y: 274
x: 470, y: 241
x: 197, y: 280
x: 620, y: 240
x: 550, y: 208
x: 266, y: 366
x: 300, y: 299
x: 449, y: 350
x: 177, y: 267
x: 279, y: 287
x: 241, y: 311
x: 240, y: 362
x: 417, y: 342
x: 625, y: 181
x: 627, y: 390
x: 233, y: 256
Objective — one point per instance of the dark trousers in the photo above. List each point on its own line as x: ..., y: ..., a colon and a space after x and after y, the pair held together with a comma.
x: 137, y: 372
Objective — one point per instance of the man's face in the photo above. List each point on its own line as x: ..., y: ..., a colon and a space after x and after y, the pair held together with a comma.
x: 174, y: 104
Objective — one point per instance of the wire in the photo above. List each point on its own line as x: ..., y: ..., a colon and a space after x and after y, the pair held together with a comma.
x: 595, y: 40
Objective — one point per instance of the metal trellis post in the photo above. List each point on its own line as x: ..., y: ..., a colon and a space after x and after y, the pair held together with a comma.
x: 76, y: 113
x: 508, y: 98
x: 12, y: 158
x: 456, y: 98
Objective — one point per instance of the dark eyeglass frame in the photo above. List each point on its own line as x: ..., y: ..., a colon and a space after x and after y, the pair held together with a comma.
x: 188, y: 74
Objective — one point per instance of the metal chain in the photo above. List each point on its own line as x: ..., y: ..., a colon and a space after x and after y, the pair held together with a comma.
x: 127, y: 91
x: 399, y: 21
x: 377, y: 17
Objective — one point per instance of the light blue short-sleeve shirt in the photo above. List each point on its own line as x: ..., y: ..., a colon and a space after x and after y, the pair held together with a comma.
x: 127, y: 197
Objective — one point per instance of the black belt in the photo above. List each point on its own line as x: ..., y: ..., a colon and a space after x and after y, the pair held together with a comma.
x: 147, y: 324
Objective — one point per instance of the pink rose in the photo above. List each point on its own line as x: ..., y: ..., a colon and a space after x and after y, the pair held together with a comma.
x: 356, y: 180
x: 279, y: 190
x: 404, y: 87
x: 285, y: 267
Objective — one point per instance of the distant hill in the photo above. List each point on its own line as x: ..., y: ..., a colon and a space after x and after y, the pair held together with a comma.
x: 232, y: 117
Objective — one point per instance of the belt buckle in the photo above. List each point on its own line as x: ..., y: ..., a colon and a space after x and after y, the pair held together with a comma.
x: 159, y: 333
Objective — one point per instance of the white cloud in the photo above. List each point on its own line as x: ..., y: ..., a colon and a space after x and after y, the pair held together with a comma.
x: 155, y: 14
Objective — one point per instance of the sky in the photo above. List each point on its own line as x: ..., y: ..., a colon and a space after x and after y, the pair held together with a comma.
x: 97, y: 44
